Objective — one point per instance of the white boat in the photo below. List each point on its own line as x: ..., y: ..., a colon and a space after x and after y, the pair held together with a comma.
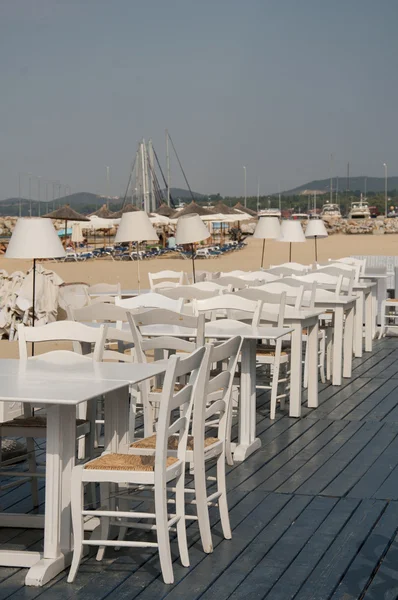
x: 359, y: 209
x: 300, y: 216
x: 330, y: 210
x: 270, y: 212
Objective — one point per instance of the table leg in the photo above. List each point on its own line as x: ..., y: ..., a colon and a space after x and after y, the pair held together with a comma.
x: 337, y: 345
x: 313, y: 365
x: 348, y: 339
x: 296, y: 371
x: 117, y: 420
x: 248, y: 443
x: 359, y: 307
x: 374, y: 311
x: 368, y: 322
x: 60, y: 457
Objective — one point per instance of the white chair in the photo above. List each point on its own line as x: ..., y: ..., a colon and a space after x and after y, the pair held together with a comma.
x: 30, y: 425
x: 236, y: 273
x: 309, y: 288
x: 344, y: 268
x: 171, y: 277
x: 324, y: 280
x: 230, y: 306
x: 261, y: 276
x: 162, y: 346
x: 389, y: 316
x: 151, y: 300
x: 212, y: 286
x: 104, y: 292
x: 349, y: 275
x: 212, y: 410
x: 293, y: 266
x: 353, y: 262
x: 293, y: 294
x: 154, y: 472
x: 236, y: 283
x: 189, y: 292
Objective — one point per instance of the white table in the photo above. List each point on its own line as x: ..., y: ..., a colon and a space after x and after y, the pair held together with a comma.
x: 224, y: 329
x: 299, y: 320
x: 343, y: 332
x: 61, y: 389
x: 365, y: 290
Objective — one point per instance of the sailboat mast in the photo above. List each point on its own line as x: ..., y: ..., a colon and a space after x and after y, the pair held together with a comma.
x: 152, y: 199
x: 168, y: 167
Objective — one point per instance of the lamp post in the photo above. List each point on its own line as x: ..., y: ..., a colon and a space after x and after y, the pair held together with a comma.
x: 316, y: 230
x: 267, y: 228
x: 385, y: 189
x: 291, y: 231
x: 244, y: 169
x: 191, y: 229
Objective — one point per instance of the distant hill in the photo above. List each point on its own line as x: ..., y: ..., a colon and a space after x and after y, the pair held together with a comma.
x: 83, y: 202
x: 372, y: 184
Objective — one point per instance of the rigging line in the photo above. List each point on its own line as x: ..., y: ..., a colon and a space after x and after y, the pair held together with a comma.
x: 163, y: 177
x: 183, y: 172
x: 129, y: 182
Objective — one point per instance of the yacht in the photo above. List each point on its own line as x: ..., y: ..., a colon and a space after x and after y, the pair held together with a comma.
x: 359, y: 209
x: 330, y: 210
x: 300, y: 216
x: 270, y: 212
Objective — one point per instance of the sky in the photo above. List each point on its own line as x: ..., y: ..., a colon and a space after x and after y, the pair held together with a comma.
x: 274, y: 85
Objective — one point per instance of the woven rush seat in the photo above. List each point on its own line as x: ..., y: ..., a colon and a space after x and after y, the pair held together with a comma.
x: 126, y: 462
x: 391, y: 300
x: 34, y: 421
x: 150, y: 442
x: 268, y: 351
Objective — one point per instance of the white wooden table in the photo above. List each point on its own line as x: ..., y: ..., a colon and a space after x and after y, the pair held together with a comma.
x: 365, y: 290
x: 343, y: 334
x: 61, y: 389
x: 224, y: 329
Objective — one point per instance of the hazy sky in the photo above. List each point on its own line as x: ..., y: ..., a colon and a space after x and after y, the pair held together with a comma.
x: 276, y: 85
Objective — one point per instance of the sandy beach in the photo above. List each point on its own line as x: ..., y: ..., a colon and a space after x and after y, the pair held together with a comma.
x: 249, y: 258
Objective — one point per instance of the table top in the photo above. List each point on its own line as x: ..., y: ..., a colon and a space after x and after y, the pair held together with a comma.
x: 221, y: 329
x: 43, y: 383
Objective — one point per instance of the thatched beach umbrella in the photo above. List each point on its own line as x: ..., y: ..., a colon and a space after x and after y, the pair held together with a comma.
x: 194, y: 208
x: 242, y: 208
x: 103, y: 213
x: 65, y: 213
x: 126, y: 209
x: 165, y: 210
x: 223, y: 209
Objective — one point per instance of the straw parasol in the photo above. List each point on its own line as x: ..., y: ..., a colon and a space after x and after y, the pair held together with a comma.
x: 165, y: 210
x: 103, y: 212
x: 194, y: 208
x: 65, y: 213
x: 223, y: 209
x: 242, y: 208
x: 126, y: 209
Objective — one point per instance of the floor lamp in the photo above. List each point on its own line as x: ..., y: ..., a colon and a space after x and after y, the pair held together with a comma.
x: 316, y: 230
x: 191, y: 229
x: 267, y: 228
x: 34, y: 238
x: 136, y: 227
x: 292, y: 232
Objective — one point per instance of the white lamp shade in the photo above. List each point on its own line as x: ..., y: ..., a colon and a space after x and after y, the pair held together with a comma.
x: 267, y: 228
x: 135, y: 227
x: 191, y: 229
x: 34, y: 238
x: 291, y: 231
x: 316, y: 228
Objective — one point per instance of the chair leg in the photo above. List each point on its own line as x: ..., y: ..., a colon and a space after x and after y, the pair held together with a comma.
x: 105, y: 521
x: 202, y: 509
x: 228, y: 448
x: 322, y: 357
x: 305, y: 378
x: 163, y: 532
x: 222, y: 501
x: 77, y: 494
x: 329, y: 353
x: 181, y: 524
x: 274, y: 384
x: 382, y: 320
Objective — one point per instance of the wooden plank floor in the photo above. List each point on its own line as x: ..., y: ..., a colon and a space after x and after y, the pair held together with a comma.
x: 314, y: 512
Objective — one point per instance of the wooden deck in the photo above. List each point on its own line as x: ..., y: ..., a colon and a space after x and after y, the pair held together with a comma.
x: 314, y: 511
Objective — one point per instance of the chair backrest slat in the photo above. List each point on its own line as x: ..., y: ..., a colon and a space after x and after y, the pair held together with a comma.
x: 151, y: 300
